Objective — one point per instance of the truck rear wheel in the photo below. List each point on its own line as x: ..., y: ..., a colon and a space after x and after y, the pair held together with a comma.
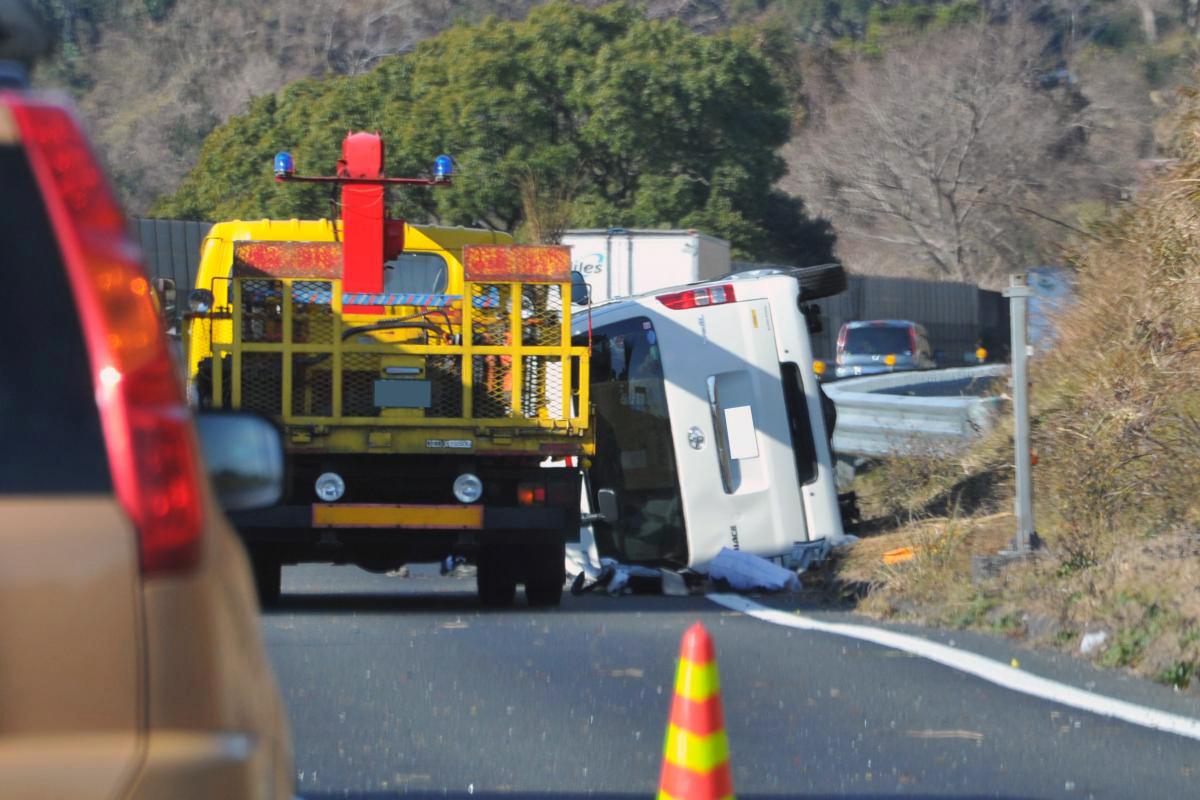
x: 545, y: 575
x: 268, y: 578
x: 496, y: 579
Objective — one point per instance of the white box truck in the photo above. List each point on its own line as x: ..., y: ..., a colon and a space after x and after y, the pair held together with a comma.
x: 620, y: 262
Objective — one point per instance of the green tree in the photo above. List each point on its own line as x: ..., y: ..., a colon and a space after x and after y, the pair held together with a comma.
x: 613, y: 119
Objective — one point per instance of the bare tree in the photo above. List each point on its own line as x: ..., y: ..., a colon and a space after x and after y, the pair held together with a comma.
x: 942, y: 153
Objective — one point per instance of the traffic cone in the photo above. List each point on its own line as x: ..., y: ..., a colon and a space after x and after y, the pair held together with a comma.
x: 696, y: 757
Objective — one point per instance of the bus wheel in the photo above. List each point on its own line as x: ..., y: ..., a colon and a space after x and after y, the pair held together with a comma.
x: 496, y: 580
x: 825, y: 280
x: 546, y: 574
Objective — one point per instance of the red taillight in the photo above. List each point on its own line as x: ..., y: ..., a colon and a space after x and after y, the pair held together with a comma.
x: 912, y: 341
x: 698, y: 298
x: 147, y: 427
x: 531, y: 494
x: 841, y: 343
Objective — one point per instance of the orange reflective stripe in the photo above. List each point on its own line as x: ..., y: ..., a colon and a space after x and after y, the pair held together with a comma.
x: 685, y: 784
x: 699, y: 717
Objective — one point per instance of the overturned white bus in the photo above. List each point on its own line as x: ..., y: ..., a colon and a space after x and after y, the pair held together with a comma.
x: 709, y: 422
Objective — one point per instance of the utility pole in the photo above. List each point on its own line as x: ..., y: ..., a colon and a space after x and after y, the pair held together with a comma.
x: 1018, y: 294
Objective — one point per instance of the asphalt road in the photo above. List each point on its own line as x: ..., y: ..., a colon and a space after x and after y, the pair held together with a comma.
x: 402, y: 687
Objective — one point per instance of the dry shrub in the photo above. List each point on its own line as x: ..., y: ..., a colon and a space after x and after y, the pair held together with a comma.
x: 922, y: 481
x: 934, y: 586
x: 1118, y: 403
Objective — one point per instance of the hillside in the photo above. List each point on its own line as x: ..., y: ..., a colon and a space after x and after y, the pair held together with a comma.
x: 1115, y: 415
x: 1067, y: 95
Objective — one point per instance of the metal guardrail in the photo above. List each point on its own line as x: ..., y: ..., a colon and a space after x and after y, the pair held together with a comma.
x: 875, y: 417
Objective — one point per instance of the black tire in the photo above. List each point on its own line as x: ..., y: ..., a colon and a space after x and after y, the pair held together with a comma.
x: 204, y: 383
x: 825, y: 280
x: 546, y: 572
x: 268, y: 578
x: 496, y: 580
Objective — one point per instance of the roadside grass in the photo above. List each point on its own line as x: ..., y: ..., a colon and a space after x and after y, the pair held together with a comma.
x: 1116, y: 428
x: 1143, y: 595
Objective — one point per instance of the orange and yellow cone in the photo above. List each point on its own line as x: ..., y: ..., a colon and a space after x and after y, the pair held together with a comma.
x: 696, y: 757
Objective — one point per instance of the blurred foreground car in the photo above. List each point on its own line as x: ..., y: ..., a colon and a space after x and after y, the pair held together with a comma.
x: 870, y: 347
x: 131, y: 663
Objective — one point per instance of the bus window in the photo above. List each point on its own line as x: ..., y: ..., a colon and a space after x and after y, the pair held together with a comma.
x: 803, y: 446
x: 634, y: 454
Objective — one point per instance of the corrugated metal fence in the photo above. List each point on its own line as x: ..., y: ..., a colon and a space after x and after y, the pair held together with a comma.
x: 172, y: 248
x: 958, y: 316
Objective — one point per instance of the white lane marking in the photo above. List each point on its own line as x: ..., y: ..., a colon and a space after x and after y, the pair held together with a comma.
x: 973, y: 664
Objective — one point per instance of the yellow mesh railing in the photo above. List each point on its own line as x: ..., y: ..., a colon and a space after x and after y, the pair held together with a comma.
x: 290, y: 353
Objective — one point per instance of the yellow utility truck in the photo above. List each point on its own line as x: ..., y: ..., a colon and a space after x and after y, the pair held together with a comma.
x: 424, y: 380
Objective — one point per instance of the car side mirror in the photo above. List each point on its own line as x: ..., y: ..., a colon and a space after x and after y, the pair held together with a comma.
x: 164, y: 291
x: 165, y: 287
x: 607, y: 500
x: 243, y: 454
x: 581, y: 293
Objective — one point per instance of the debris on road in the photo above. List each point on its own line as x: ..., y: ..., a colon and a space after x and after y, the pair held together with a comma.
x: 617, y: 579
x: 747, y: 572
x: 1092, y: 641
x: 899, y: 555
x: 736, y: 570
x: 674, y: 585
x: 807, y: 554
x: 628, y: 575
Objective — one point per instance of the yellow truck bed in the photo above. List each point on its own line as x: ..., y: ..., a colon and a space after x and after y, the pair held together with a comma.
x: 486, y: 367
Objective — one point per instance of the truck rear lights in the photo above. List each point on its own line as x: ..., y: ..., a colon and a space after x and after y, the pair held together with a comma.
x: 698, y: 298
x: 147, y: 427
x: 531, y: 494
x: 330, y: 487
x: 841, y: 344
x: 468, y: 488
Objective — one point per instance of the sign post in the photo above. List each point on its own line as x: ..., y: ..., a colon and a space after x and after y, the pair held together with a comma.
x: 1018, y: 294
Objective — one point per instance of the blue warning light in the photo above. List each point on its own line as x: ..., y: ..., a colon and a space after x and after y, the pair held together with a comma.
x: 284, y: 165
x: 443, y: 167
